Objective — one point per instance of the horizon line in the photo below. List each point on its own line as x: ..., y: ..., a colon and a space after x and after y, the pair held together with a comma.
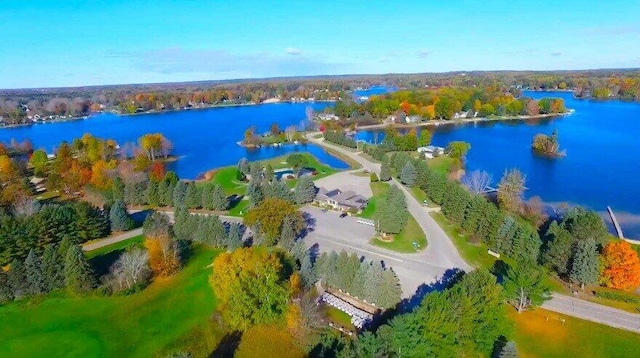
x: 281, y: 78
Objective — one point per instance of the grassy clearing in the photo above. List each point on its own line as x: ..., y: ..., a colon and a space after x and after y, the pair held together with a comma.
x: 541, y: 333
x: 338, y: 317
x: 474, y: 254
x: 441, y: 164
x: 139, y: 325
x: 403, y: 242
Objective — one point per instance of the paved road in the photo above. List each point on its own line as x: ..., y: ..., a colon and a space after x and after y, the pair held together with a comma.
x: 593, y: 312
x: 440, y: 250
x: 428, y: 265
x: 94, y: 245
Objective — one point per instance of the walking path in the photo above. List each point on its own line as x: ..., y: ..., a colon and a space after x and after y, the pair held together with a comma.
x: 96, y: 244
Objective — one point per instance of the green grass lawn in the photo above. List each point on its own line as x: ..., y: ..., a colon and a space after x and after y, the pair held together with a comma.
x: 403, y: 242
x: 139, y: 325
x: 338, y: 317
x: 441, y: 164
x: 541, y: 333
x: 474, y: 254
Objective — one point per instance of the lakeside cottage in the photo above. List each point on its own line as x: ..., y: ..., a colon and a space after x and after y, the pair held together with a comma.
x: 431, y: 151
x: 328, y: 117
x: 341, y: 200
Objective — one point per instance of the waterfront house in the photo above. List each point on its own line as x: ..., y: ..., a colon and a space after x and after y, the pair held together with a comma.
x: 340, y: 200
x: 431, y: 151
x: 413, y: 119
x: 328, y: 117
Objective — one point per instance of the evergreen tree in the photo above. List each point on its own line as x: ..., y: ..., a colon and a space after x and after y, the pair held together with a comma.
x: 269, y: 174
x: 389, y: 291
x: 152, y: 194
x: 17, y: 280
x: 182, y: 222
x: 52, y: 267
x: 33, y: 272
x: 509, y: 350
x: 289, y: 233
x: 557, y: 252
x: 219, y: 199
x: 6, y: 294
x: 585, y: 265
x: 119, y: 218
x: 307, y: 271
x: 299, y: 251
x: 243, y: 167
x: 193, y: 197
x: 255, y: 193
x: 179, y: 194
x: 218, y: 234
x: 117, y: 189
x: 385, y: 172
x: 64, y: 246
x: 408, y: 174
x: 78, y: 276
x: 235, y: 237
x: 305, y: 190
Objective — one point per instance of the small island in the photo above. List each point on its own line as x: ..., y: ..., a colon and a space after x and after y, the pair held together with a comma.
x: 547, y: 145
x: 274, y: 137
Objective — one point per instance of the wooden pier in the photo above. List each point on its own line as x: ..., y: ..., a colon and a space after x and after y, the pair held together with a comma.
x: 616, y: 225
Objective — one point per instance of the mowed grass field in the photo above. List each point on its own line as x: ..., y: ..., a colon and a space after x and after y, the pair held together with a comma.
x: 541, y: 333
x: 138, y: 325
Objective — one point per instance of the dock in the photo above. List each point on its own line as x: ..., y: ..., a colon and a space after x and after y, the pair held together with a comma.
x: 616, y: 224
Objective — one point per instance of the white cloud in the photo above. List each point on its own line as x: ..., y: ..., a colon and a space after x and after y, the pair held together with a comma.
x: 293, y: 51
x: 424, y: 53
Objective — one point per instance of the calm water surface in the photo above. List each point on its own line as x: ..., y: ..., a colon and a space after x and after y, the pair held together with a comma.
x: 203, y: 139
x: 602, y: 166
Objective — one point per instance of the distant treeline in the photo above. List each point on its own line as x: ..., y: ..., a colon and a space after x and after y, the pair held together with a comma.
x: 22, y: 105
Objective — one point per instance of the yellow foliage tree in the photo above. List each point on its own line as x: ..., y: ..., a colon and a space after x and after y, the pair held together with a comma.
x: 164, y: 256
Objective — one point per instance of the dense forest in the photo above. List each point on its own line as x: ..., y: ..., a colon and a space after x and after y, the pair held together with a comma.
x: 26, y: 105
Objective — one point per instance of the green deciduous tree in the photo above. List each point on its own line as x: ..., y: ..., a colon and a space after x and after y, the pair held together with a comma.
x: 270, y: 215
x: 525, y: 285
x: 251, y: 286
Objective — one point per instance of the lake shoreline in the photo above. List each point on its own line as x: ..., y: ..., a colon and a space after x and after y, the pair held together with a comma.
x: 83, y: 117
x: 443, y: 122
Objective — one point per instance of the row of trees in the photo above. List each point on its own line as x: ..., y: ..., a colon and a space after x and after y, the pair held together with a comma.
x: 467, y: 318
x: 61, y: 265
x: 358, y: 277
x: 338, y: 137
x: 20, y: 233
x: 446, y: 102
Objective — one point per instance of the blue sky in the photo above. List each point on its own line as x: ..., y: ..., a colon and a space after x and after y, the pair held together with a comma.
x: 72, y: 43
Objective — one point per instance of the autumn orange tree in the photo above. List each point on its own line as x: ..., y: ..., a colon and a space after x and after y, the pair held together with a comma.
x: 164, y: 253
x: 252, y: 287
x: 621, y: 266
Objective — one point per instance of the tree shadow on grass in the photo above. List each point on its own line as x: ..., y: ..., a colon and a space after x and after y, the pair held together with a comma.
x: 227, y: 346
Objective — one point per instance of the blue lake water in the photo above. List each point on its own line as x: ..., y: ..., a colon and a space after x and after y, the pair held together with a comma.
x: 602, y: 166
x: 203, y: 139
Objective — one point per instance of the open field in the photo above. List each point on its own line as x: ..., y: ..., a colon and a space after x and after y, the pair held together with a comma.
x: 441, y: 164
x: 138, y: 325
x: 542, y: 333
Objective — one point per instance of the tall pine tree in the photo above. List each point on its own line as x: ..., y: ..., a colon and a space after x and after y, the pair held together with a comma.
x: 78, y: 276
x: 33, y: 272
x: 52, y: 268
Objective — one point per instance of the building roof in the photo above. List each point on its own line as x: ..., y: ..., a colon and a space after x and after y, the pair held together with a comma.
x: 343, y: 198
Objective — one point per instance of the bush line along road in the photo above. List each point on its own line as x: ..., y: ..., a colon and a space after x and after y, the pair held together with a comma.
x: 441, y: 255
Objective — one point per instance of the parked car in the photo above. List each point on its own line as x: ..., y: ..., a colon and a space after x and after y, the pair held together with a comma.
x: 343, y: 215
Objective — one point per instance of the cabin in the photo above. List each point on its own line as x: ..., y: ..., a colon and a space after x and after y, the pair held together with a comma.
x: 328, y: 117
x: 337, y: 199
